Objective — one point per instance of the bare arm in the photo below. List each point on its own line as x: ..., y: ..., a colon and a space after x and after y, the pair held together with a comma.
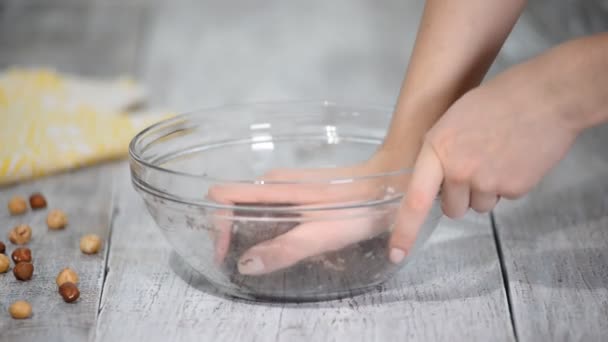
x: 574, y: 79
x: 457, y: 43
x: 500, y: 139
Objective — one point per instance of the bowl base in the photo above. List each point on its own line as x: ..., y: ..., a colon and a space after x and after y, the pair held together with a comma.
x: 299, y: 298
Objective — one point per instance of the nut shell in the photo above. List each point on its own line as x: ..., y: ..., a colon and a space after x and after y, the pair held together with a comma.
x: 37, y: 201
x: 20, y: 235
x: 69, y: 292
x: 21, y: 254
x: 17, y: 205
x: 20, y: 309
x: 56, y: 219
x: 23, y: 271
x: 5, y: 263
x: 90, y: 244
x: 67, y: 275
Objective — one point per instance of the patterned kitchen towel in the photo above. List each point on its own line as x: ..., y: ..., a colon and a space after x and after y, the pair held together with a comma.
x: 51, y: 122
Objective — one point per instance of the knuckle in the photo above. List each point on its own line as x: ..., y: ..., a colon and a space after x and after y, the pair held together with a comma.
x: 459, y: 172
x: 484, y: 184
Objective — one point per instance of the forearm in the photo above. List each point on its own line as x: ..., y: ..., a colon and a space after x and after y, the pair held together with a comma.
x: 457, y: 43
x: 575, y: 80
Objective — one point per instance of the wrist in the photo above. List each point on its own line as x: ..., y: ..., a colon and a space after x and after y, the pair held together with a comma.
x: 414, y: 116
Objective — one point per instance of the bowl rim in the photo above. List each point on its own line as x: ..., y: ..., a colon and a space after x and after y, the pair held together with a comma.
x: 135, y: 156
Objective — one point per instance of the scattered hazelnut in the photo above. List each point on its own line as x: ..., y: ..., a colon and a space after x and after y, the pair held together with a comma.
x: 20, y: 309
x: 23, y: 271
x: 56, y: 219
x: 69, y: 292
x: 17, y: 205
x: 21, y: 254
x: 90, y: 244
x: 2, y: 248
x: 37, y: 201
x: 20, y: 235
x: 67, y: 275
x: 4, y: 263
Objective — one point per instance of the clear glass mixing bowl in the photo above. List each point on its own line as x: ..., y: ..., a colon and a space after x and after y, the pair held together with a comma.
x: 177, y: 163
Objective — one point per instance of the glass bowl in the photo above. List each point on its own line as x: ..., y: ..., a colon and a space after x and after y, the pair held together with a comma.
x: 329, y: 246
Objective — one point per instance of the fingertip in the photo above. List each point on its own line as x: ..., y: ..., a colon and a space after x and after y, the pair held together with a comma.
x: 420, y: 196
x: 221, y: 221
x: 251, y: 265
x: 396, y: 255
x: 400, y: 243
x: 454, y: 213
x: 215, y: 193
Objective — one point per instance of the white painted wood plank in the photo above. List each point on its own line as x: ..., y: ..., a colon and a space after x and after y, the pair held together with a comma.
x: 88, y: 40
x: 555, y: 241
x: 453, y: 291
x: 202, y: 53
x: 85, y: 196
x: 555, y: 246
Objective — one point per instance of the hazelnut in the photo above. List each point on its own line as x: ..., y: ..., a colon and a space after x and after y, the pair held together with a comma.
x: 17, y: 205
x: 67, y: 275
x: 20, y: 235
x: 4, y: 263
x: 37, y: 201
x: 2, y: 248
x: 56, y: 219
x: 21, y: 254
x: 90, y: 244
x: 69, y: 292
x: 23, y: 271
x: 20, y: 309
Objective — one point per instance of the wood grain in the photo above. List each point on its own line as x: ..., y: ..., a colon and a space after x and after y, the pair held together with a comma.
x: 85, y: 196
x: 452, y: 291
x: 88, y: 39
x: 554, y: 241
x: 195, y: 53
x: 555, y: 246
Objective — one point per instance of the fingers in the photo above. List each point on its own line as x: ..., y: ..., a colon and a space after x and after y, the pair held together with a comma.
x: 308, y: 174
x: 307, y: 240
x: 483, y: 202
x: 262, y: 193
x: 221, y: 230
x: 296, y: 194
x: 300, y: 194
x: 222, y: 224
x: 419, y: 199
x: 455, y: 198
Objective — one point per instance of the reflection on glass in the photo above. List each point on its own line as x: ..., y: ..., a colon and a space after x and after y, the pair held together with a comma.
x: 262, y: 142
x: 332, y: 135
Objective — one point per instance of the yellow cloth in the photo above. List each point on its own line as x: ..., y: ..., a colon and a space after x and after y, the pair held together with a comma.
x: 51, y: 122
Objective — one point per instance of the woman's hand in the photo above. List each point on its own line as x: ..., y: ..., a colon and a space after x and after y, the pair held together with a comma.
x: 316, y: 234
x: 497, y: 140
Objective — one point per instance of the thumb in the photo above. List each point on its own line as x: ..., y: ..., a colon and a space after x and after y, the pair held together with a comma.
x: 419, y: 197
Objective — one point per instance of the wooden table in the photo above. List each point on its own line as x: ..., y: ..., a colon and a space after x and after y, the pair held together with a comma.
x: 536, y: 269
